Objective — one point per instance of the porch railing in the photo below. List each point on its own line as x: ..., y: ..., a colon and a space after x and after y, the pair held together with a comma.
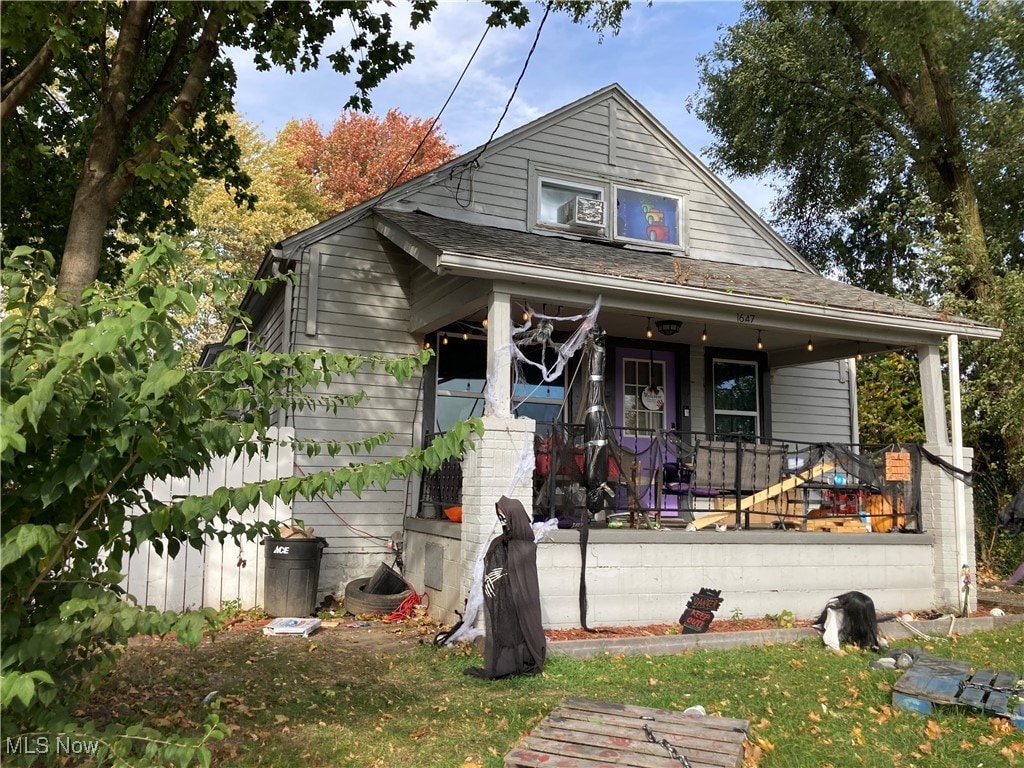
x: 681, y: 479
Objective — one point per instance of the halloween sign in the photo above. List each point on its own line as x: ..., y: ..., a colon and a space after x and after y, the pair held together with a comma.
x: 700, y: 611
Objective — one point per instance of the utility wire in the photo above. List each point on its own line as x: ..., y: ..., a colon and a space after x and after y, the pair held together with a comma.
x: 508, y: 104
x: 430, y: 130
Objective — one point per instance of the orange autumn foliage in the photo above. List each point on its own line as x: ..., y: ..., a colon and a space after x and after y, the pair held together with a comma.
x: 362, y: 155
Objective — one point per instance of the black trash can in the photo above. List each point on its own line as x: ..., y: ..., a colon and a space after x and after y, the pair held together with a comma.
x: 291, y: 576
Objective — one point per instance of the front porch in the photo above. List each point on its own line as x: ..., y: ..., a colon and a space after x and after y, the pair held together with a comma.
x: 640, y: 577
x: 644, y: 575
x: 729, y: 456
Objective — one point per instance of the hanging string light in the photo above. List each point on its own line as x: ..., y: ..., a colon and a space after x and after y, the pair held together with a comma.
x: 650, y: 333
x: 760, y: 344
x: 484, y: 322
x: 704, y: 333
x: 810, y: 344
x: 444, y: 339
x: 859, y: 355
x: 465, y: 336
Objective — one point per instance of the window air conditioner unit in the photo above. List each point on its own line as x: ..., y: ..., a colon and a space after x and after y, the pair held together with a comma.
x: 582, y: 212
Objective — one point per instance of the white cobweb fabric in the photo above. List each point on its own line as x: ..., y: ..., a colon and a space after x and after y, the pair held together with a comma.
x: 528, y: 335
x: 524, y: 335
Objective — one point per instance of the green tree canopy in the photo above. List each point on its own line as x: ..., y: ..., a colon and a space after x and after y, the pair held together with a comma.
x: 887, y: 122
x: 896, y: 130
x: 119, y: 108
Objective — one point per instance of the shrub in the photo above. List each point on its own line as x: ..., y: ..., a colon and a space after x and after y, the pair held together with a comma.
x: 95, y: 402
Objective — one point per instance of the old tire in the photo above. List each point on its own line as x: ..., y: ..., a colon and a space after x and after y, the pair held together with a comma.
x: 357, y: 601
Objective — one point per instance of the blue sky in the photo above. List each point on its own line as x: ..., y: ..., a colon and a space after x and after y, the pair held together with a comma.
x: 654, y: 58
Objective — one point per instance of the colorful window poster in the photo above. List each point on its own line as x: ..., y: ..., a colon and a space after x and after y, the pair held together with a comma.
x: 647, y: 216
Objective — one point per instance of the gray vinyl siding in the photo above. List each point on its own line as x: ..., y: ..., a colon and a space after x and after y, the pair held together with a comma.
x: 270, y: 327
x: 811, y: 403
x: 362, y: 308
x: 579, y: 145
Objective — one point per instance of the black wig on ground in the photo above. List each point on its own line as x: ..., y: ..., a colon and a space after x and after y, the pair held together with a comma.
x: 859, y: 624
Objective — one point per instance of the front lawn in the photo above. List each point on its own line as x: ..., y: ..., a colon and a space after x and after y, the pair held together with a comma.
x: 318, y: 702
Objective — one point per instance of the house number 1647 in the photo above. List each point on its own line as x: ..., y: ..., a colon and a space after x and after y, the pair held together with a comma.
x: 741, y: 318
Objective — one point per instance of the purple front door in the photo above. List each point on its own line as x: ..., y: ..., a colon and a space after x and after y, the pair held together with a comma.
x: 645, y: 406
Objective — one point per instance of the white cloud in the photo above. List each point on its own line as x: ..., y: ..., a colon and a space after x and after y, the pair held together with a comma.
x: 653, y: 58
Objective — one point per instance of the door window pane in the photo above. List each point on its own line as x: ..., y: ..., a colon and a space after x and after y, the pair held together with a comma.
x: 643, y: 395
x: 736, y: 397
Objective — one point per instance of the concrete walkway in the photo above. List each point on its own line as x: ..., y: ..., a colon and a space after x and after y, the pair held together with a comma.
x: 664, y: 645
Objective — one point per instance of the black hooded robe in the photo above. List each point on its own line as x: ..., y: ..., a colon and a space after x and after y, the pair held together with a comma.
x: 514, y: 642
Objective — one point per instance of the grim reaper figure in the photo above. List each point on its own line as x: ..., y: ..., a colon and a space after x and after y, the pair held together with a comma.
x: 514, y: 643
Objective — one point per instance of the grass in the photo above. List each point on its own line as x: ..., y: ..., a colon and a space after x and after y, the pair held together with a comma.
x: 292, y: 702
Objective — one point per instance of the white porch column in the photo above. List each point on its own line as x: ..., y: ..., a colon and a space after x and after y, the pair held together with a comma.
x: 933, y: 395
x: 501, y: 465
x: 946, y: 507
x: 960, y: 515
x: 952, y: 536
x: 498, y: 391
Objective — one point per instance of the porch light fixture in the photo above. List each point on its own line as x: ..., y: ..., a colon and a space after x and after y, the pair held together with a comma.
x: 668, y: 327
x: 704, y: 333
x: 810, y: 344
x: 760, y: 344
x: 650, y: 333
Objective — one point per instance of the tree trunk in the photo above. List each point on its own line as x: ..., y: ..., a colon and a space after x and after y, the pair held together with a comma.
x: 84, y: 243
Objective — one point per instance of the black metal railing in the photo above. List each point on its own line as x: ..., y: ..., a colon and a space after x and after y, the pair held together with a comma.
x: 666, y: 478
x: 670, y: 478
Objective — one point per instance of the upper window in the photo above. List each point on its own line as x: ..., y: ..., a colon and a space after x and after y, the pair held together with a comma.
x: 648, y: 216
x: 568, y: 204
x: 736, y: 398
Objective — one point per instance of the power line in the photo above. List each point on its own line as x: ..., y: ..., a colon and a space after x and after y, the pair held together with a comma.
x: 430, y: 130
x: 508, y: 104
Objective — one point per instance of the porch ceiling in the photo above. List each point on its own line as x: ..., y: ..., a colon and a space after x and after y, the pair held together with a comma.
x: 662, y: 283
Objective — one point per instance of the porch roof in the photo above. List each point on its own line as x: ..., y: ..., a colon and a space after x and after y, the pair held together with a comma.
x: 453, y: 247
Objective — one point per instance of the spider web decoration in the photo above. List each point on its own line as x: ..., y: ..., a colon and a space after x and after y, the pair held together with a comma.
x: 527, y: 335
x: 554, y: 356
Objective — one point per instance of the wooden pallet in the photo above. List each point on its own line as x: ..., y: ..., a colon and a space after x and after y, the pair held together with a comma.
x: 930, y: 681
x: 584, y: 733
x: 837, y: 525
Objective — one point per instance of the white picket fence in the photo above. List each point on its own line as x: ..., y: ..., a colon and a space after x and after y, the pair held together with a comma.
x: 219, y: 573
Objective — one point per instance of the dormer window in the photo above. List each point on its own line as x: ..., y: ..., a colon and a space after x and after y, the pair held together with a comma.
x: 648, y: 216
x: 564, y: 204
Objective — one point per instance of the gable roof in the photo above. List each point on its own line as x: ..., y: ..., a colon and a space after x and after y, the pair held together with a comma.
x: 614, y: 91
x: 446, y: 246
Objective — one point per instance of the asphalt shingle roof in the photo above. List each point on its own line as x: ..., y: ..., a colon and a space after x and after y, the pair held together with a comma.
x: 659, y: 267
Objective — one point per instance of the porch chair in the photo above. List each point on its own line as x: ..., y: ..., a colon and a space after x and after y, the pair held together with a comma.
x: 683, y: 480
x: 714, y: 470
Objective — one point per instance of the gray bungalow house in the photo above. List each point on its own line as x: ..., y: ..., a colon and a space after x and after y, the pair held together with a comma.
x: 724, y: 371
